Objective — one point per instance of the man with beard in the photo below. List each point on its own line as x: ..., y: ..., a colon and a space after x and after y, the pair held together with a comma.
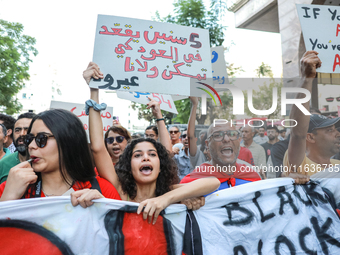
x: 272, y: 133
x: 20, y: 130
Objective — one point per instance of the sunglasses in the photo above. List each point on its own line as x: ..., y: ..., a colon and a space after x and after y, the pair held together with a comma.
x: 184, y: 136
x: 174, y: 132
x: 40, y: 139
x: 119, y: 139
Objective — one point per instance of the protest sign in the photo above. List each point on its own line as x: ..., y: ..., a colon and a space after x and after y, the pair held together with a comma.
x: 219, y: 67
x: 165, y: 101
x: 79, y: 110
x: 148, y: 56
x: 320, y: 27
x: 265, y: 217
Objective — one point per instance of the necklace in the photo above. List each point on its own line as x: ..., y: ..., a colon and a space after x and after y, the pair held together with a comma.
x: 47, y: 195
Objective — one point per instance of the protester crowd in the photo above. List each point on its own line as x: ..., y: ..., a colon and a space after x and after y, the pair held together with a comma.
x: 47, y: 154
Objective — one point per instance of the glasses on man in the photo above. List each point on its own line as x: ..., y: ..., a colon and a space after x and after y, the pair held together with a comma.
x: 150, y: 136
x: 40, y: 139
x: 218, y: 136
x: 184, y: 136
x: 119, y: 139
x: 173, y: 132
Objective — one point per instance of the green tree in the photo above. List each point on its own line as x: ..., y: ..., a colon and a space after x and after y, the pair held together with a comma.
x: 193, y: 13
x: 263, y: 97
x: 264, y: 70
x: 16, y: 50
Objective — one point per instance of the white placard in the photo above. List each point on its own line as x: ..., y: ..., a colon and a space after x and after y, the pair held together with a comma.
x: 219, y: 66
x: 148, y: 56
x: 79, y: 110
x: 320, y: 27
x: 165, y: 101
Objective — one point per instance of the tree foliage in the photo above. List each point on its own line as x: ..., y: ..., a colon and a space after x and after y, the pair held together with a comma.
x: 263, y: 97
x: 16, y: 50
x: 193, y: 13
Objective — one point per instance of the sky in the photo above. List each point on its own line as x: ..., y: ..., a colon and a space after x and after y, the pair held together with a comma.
x: 65, y: 32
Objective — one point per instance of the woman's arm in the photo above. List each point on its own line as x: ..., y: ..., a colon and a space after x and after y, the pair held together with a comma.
x: 191, y: 127
x: 101, y: 156
x: 196, y: 188
x: 163, y: 133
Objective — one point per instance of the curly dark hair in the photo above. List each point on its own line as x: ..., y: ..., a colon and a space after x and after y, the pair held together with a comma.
x: 168, y: 174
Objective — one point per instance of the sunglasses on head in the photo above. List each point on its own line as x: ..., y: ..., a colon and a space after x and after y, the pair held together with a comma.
x: 119, y: 139
x: 174, y: 132
x: 40, y: 139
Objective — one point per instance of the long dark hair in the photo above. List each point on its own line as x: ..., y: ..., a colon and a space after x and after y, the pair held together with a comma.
x: 168, y: 169
x: 74, y: 154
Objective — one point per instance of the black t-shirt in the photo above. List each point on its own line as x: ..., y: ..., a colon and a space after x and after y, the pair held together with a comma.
x: 267, y: 147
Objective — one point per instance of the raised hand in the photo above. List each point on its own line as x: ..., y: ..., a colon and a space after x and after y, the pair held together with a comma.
x: 92, y: 71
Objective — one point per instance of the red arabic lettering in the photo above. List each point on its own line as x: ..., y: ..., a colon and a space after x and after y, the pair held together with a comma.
x: 119, y: 49
x: 85, y: 126
x: 141, y: 49
x: 178, y: 72
x: 117, y: 31
x: 127, y: 65
x: 163, y: 36
x: 160, y: 54
x: 176, y: 53
x: 106, y: 128
x: 73, y: 109
x: 145, y: 67
x: 191, y: 58
x: 155, y: 73
x: 107, y: 115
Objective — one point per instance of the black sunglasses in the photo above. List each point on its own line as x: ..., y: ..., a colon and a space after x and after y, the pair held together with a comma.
x: 184, y: 136
x: 40, y: 139
x: 110, y: 140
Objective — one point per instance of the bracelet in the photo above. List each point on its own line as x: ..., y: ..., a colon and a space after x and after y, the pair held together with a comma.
x: 97, y: 107
x: 159, y: 119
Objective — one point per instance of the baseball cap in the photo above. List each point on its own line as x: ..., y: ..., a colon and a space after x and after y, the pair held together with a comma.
x: 319, y: 121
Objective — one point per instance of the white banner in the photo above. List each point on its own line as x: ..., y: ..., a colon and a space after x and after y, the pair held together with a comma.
x: 266, y: 217
x: 148, y: 56
x: 320, y: 27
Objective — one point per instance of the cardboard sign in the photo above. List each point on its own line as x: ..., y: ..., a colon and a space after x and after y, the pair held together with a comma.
x: 219, y: 66
x: 321, y: 28
x: 165, y: 101
x: 79, y: 110
x: 147, y: 56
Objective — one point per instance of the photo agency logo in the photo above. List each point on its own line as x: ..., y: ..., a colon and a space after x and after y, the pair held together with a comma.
x: 244, y: 86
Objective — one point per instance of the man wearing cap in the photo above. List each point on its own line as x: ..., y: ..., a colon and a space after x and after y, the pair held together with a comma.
x: 315, y: 139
